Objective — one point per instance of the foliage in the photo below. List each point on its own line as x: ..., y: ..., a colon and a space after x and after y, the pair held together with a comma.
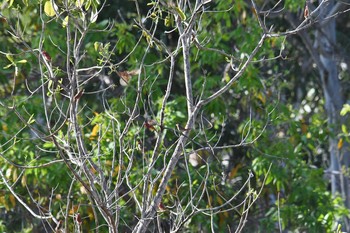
x: 95, y: 108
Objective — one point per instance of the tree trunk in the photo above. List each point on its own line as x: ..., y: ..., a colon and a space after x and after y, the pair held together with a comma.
x: 325, y: 41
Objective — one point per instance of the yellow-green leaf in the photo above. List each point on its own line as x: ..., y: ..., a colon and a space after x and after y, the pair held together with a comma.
x: 10, y: 2
x: 49, y: 9
x: 79, y: 3
x: 344, y: 129
x: 94, y: 15
x: 31, y: 119
x: 167, y: 21
x: 24, y: 181
x: 180, y: 13
x: 151, y: 3
x: 8, y: 66
x: 9, y: 57
x: 88, y: 4
x: 65, y: 22
x: 345, y: 109
x: 98, y: 46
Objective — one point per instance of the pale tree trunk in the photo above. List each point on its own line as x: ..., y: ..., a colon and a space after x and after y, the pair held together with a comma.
x: 325, y: 41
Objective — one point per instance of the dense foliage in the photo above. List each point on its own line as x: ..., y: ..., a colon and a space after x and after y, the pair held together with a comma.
x: 254, y: 160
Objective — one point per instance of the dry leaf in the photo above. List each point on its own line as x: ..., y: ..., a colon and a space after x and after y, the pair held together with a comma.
x: 340, y: 143
x: 94, y: 132
x: 234, y: 171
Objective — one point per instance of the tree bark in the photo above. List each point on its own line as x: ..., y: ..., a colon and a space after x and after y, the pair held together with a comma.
x: 325, y: 41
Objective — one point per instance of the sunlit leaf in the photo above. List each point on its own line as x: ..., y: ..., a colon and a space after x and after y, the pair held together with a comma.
x: 94, y: 15
x: 65, y: 21
x: 79, y: 3
x: 344, y: 129
x: 151, y: 3
x: 49, y: 9
x: 48, y: 145
x: 180, y: 13
x: 8, y: 66
x: 88, y: 4
x: 345, y: 109
x: 14, y: 174
x: 9, y: 57
x: 24, y: 181
x: 22, y: 61
x: 10, y: 2
x: 8, y: 173
x: 31, y: 119
x: 167, y: 21
x: 98, y: 46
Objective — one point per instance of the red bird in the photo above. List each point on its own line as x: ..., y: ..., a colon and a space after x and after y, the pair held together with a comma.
x: 161, y: 207
x: 78, y: 219
x: 46, y: 56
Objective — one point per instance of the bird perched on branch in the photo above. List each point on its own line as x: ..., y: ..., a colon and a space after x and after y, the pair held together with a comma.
x: 46, y: 56
x: 149, y: 124
x: 125, y: 76
x: 306, y: 11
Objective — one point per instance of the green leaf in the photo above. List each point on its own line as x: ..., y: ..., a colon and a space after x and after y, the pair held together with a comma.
x: 22, y: 61
x: 49, y: 9
x: 151, y: 3
x: 8, y: 66
x: 31, y: 120
x: 9, y: 57
x: 345, y: 109
x: 98, y: 46
x: 49, y: 85
x: 65, y: 21
x: 94, y: 15
x: 88, y: 4
x: 180, y: 13
x: 268, y: 179
x: 49, y: 145
x: 343, y: 129
x: 167, y: 21
x: 10, y: 2
x: 79, y: 3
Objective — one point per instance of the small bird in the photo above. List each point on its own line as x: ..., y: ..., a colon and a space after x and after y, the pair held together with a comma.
x: 78, y: 219
x: 149, y: 124
x: 125, y: 76
x: 79, y: 94
x: 306, y: 12
x: 46, y: 56
x: 139, y: 145
x: 181, y: 129
x: 58, y: 226
x: 161, y: 207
